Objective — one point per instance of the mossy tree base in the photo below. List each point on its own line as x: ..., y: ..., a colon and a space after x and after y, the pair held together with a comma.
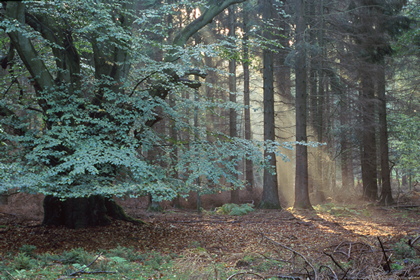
x: 83, y: 212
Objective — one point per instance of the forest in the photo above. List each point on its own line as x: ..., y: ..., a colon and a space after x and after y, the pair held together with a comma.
x: 210, y: 139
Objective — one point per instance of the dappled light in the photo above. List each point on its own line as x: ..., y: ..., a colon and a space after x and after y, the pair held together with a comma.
x: 209, y: 140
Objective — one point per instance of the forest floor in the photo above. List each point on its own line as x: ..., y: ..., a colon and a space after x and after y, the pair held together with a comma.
x: 344, y: 240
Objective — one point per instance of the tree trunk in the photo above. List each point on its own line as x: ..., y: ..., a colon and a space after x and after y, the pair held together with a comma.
x: 347, y: 176
x: 270, y: 196
x: 249, y: 168
x: 386, y: 191
x: 82, y: 212
x: 368, y: 157
x: 301, y: 179
x: 109, y: 60
x: 233, y: 131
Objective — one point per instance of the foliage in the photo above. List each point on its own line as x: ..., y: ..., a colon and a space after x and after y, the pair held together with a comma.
x: 235, y: 209
x: 403, y: 250
x: 87, y: 129
x: 28, y: 250
x: 23, y: 262
x: 405, y: 142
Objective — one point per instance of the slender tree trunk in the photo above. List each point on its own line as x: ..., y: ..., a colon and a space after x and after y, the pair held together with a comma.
x: 301, y: 179
x: 233, y: 115
x: 346, y: 152
x: 270, y: 196
x: 249, y: 168
x: 386, y: 191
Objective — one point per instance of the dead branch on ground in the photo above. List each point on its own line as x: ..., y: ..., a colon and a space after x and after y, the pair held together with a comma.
x: 387, y: 268
x: 83, y: 270
x: 245, y: 273
x: 294, y: 252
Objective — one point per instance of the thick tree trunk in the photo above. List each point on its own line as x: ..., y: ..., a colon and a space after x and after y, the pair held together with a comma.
x: 82, y: 212
x: 368, y: 157
x: 301, y: 175
x: 270, y: 197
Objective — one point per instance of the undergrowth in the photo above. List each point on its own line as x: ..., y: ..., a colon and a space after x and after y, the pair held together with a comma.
x: 196, y: 262
x: 233, y: 209
x: 117, y: 263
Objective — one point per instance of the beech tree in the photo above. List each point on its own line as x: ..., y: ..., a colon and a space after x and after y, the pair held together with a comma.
x: 96, y: 94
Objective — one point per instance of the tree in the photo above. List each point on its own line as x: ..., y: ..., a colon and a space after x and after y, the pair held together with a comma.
x: 96, y: 115
x: 233, y: 115
x: 270, y: 197
x: 301, y: 179
x: 373, y: 25
x: 249, y: 169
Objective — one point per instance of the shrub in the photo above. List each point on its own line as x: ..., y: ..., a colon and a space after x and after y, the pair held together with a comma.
x: 403, y: 251
x: 28, y: 250
x: 235, y: 209
x: 23, y: 261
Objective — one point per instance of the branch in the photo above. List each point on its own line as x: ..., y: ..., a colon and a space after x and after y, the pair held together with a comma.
x: 330, y: 269
x: 15, y: 10
x: 83, y: 270
x: 388, y: 265
x: 295, y: 252
x: 414, y: 241
x: 335, y: 262
x: 215, y: 7
x: 245, y: 273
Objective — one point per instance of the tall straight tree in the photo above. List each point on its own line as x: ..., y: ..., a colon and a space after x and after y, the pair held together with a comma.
x: 270, y: 197
x: 249, y: 170
x: 386, y: 191
x: 301, y: 175
x: 233, y: 115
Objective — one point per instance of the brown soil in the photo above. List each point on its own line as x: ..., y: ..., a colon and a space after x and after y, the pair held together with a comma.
x: 227, y: 237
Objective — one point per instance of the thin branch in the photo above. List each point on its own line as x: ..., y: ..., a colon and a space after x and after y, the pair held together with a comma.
x: 83, y: 270
x: 414, y: 241
x: 140, y: 82
x: 335, y: 262
x: 10, y: 275
x: 245, y: 273
x: 330, y: 269
x: 295, y: 252
x: 388, y: 265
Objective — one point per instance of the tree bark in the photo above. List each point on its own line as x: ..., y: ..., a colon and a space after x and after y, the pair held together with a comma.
x: 386, y: 191
x: 270, y: 197
x: 368, y: 157
x: 82, y: 212
x: 301, y: 177
x: 233, y: 131
x: 249, y: 169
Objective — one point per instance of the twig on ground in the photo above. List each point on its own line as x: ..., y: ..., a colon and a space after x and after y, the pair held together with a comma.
x: 83, y: 270
x: 414, y: 241
x: 330, y: 269
x: 388, y: 265
x: 294, y: 252
x: 335, y: 262
x: 245, y: 273
x: 10, y: 275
